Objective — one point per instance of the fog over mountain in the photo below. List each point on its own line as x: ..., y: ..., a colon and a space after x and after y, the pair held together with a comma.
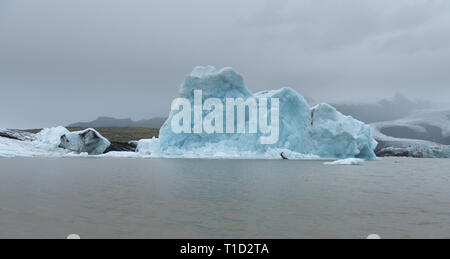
x: 384, y: 110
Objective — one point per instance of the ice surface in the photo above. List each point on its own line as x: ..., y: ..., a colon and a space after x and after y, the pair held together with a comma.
x: 304, y: 132
x: 85, y: 141
x: 348, y: 161
x: 16, y: 134
x: 46, y: 144
x: 42, y: 144
x: 51, y: 137
x: 148, y: 146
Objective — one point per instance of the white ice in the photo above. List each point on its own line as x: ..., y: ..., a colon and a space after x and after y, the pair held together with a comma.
x: 46, y: 142
x: 85, y: 141
x: 348, y: 161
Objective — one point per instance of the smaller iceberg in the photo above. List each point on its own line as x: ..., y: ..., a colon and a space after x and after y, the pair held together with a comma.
x: 348, y: 161
x: 57, y: 142
x: 43, y: 144
x: 86, y: 141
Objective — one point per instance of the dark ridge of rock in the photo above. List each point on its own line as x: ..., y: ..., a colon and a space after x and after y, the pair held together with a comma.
x: 16, y: 134
x: 121, y: 147
x: 284, y: 157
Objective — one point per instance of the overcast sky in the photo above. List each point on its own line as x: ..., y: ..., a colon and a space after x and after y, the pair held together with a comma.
x: 63, y: 61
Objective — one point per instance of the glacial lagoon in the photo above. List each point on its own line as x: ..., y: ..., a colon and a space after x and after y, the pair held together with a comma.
x: 187, y: 198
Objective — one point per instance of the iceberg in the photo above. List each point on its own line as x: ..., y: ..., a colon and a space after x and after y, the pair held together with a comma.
x: 43, y: 144
x: 16, y: 134
x: 50, y: 138
x: 348, y: 161
x: 303, y: 131
x: 57, y: 142
x: 85, y: 141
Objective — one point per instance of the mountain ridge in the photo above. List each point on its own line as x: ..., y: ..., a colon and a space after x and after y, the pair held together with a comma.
x: 105, y: 121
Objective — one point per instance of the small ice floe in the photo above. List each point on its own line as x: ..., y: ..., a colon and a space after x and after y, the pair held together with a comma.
x: 348, y: 161
x: 86, y: 141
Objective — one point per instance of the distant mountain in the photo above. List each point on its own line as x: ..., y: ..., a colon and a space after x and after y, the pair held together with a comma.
x: 385, y: 110
x: 113, y: 122
x: 151, y: 123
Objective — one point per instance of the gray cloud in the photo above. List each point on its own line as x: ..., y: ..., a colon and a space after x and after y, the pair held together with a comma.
x: 66, y: 61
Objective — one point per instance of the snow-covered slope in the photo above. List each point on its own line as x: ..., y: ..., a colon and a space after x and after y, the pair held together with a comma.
x: 423, y: 134
x: 320, y: 131
x: 424, y: 125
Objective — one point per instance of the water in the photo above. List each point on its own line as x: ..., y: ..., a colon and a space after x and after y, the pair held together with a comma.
x: 167, y: 198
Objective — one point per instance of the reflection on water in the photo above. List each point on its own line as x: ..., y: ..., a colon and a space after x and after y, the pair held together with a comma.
x: 166, y: 198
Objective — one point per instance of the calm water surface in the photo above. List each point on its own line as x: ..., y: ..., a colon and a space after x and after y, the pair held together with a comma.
x: 169, y: 198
